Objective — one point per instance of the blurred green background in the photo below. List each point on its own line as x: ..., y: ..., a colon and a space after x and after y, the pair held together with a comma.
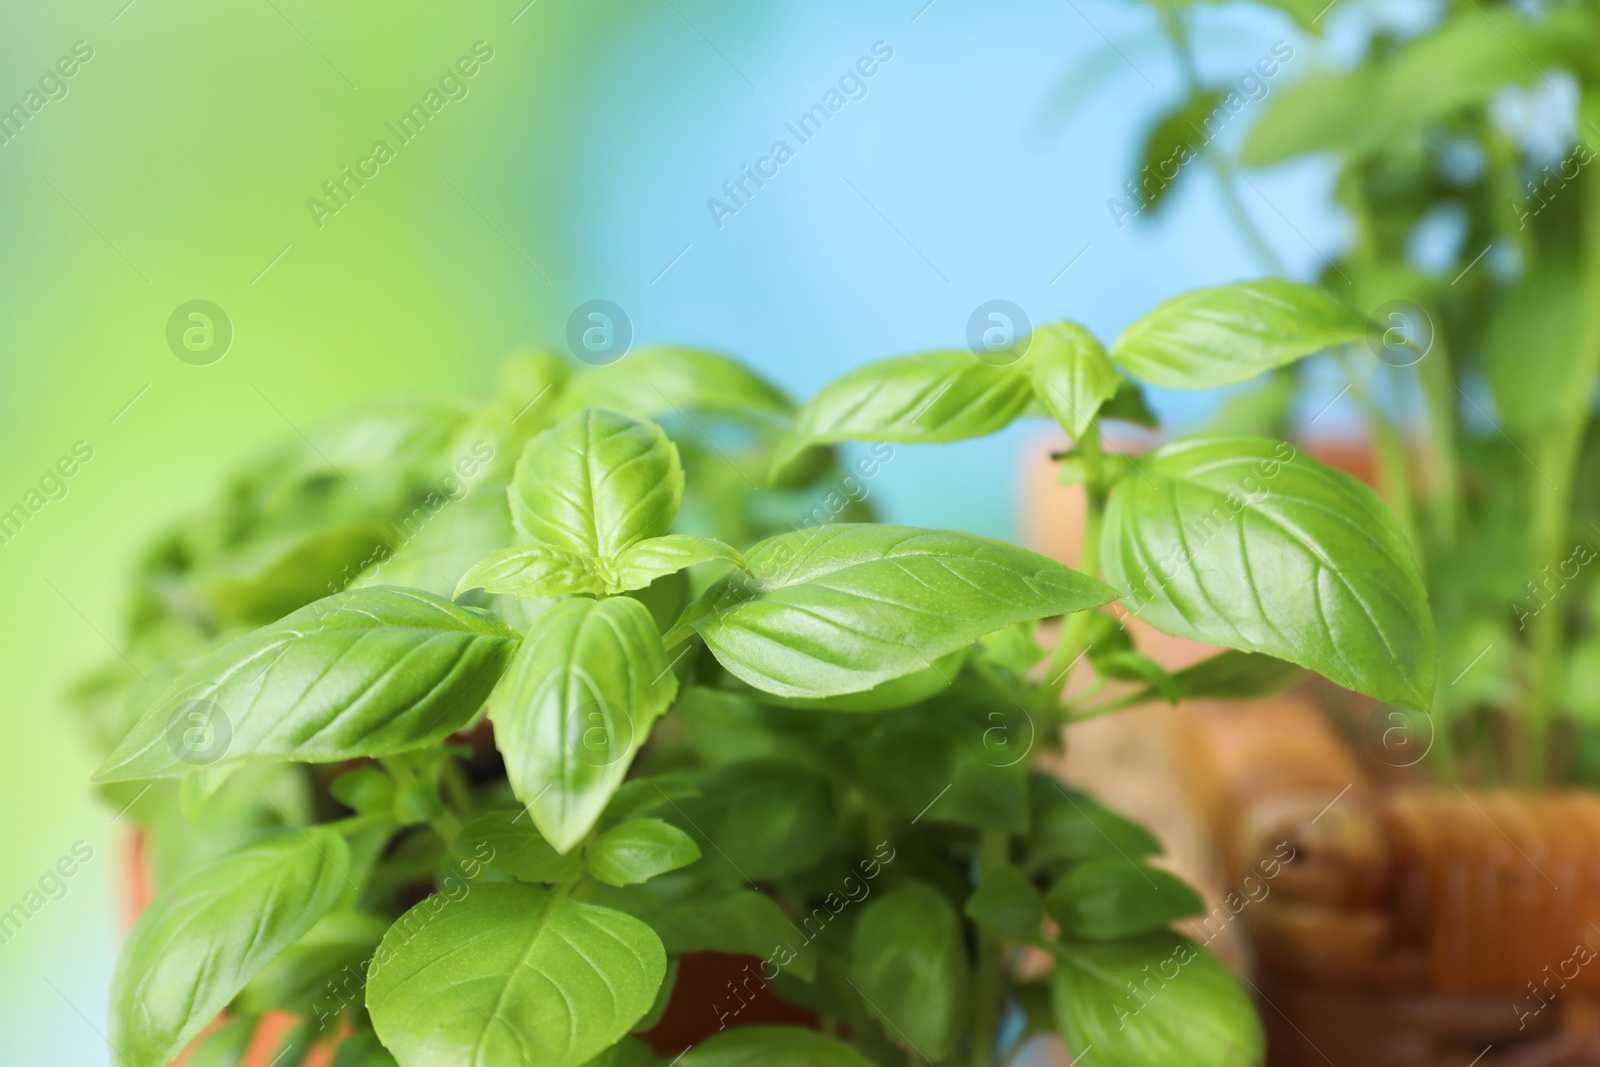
x: 176, y: 164
x: 177, y: 167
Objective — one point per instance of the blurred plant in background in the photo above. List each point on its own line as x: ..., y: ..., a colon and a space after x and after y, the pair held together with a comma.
x: 1463, y: 134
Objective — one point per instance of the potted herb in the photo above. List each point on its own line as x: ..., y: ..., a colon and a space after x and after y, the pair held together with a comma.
x: 590, y: 717
x: 1463, y: 144
x: 1475, y: 248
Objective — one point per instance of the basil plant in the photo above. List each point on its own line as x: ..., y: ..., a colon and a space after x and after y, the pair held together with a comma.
x: 452, y: 734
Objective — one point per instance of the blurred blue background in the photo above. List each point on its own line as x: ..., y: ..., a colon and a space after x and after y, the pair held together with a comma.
x: 977, y: 166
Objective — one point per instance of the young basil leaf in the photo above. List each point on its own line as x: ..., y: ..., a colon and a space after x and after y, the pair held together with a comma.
x: 1152, y: 1001
x: 368, y: 672
x: 578, y: 701
x: 930, y: 397
x: 506, y: 841
x: 202, y: 939
x: 531, y: 571
x: 909, y: 962
x: 655, y: 383
x: 1240, y: 542
x: 1007, y: 903
x: 644, y: 562
x: 1231, y: 333
x: 541, y: 571
x: 1130, y: 666
x: 638, y: 850
x: 1237, y: 676
x: 1106, y: 899
x: 691, y: 916
x: 595, y: 483
x: 1014, y: 647
x: 361, y: 1049
x: 1071, y: 374
x: 841, y: 609
x: 772, y: 1046
x: 304, y: 972
x: 1069, y: 827
x: 761, y: 819
x: 510, y: 975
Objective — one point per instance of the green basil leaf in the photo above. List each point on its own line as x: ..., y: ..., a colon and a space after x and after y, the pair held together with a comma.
x: 1244, y: 543
x: 1460, y: 64
x: 1007, y: 903
x: 270, y: 578
x: 368, y: 672
x: 1071, y: 374
x: 531, y: 571
x: 223, y: 1047
x: 506, y: 841
x: 638, y: 850
x: 596, y: 483
x: 1106, y: 899
x: 527, y: 379
x: 1069, y: 827
x: 960, y: 764
x: 510, y: 975
x: 441, y: 544
x: 1014, y: 647
x: 1171, y: 146
x: 655, y: 557
x: 909, y: 962
x: 1130, y: 666
x: 202, y: 939
x: 899, y: 692
x: 639, y: 796
x: 303, y: 973
x: 927, y: 398
x: 723, y: 727
x: 1231, y: 333
x: 1327, y: 110
x: 762, y: 819
x: 691, y: 916
x: 1152, y: 1001
x: 655, y: 383
x: 772, y: 1046
x: 361, y: 1049
x: 630, y: 1051
x: 577, y: 702
x: 665, y: 598
x: 395, y: 434
x: 363, y: 789
x: 1129, y: 405
x: 843, y: 608
x: 1237, y: 676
